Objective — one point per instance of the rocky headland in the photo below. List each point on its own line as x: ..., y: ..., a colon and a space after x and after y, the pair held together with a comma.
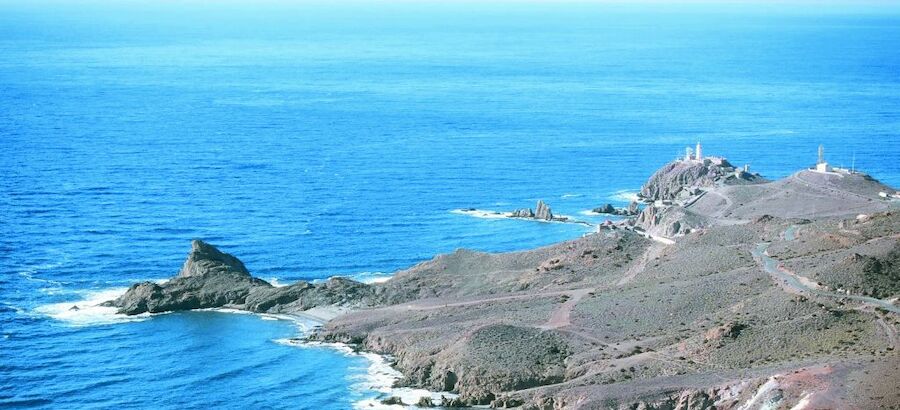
x: 769, y: 294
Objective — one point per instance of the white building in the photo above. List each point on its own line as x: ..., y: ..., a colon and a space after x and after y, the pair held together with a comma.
x: 693, y: 155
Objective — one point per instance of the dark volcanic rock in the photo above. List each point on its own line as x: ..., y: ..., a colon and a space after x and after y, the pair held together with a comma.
x: 211, y: 278
x: 303, y: 295
x: 605, y: 209
x: 205, y: 259
x: 610, y: 209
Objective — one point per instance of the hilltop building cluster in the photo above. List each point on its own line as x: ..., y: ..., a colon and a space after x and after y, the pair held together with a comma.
x: 823, y: 167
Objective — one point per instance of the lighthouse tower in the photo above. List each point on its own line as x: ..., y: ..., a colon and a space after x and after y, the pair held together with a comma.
x: 698, y: 153
x: 821, y: 165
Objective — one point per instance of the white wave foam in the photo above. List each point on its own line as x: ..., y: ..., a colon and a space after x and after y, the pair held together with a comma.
x: 379, y: 378
x: 87, y: 311
x: 276, y: 283
x: 624, y: 196
x: 371, y: 277
x: 478, y: 213
x: 566, y: 196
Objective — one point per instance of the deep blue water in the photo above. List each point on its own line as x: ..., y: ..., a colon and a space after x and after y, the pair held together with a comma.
x: 313, y: 141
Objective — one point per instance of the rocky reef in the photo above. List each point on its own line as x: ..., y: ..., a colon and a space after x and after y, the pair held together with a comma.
x: 541, y: 212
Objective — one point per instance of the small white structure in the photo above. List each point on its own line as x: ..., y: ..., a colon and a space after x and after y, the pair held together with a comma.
x: 821, y: 165
x: 693, y: 154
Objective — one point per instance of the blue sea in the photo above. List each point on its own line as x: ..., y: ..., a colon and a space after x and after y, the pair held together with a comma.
x: 314, y: 140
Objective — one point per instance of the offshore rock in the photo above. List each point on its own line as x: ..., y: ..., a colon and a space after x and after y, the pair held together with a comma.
x: 542, y: 211
x: 605, y: 209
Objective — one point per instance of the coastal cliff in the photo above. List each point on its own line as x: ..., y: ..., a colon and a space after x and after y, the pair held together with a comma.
x: 752, y: 305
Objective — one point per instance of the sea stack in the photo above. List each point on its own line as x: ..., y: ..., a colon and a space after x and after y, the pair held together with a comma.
x: 542, y: 211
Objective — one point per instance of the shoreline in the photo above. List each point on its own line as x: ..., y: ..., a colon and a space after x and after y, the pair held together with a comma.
x: 378, y: 378
x: 562, y: 286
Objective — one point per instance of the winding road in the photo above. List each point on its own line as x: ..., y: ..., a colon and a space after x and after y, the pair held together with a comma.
x: 799, y: 283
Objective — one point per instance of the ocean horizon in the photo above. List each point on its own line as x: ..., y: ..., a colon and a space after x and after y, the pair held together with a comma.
x: 314, y: 141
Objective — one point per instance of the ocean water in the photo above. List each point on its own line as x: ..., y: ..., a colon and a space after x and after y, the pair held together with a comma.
x: 315, y: 140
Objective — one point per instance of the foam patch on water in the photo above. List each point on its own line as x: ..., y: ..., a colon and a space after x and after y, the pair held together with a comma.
x: 567, y: 196
x: 624, y: 196
x: 378, y: 378
x: 87, y: 311
x: 478, y: 213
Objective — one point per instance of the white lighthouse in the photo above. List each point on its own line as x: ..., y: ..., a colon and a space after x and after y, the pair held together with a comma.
x: 698, y: 153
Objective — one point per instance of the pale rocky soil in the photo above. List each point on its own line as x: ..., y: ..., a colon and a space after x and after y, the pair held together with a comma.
x: 614, y: 320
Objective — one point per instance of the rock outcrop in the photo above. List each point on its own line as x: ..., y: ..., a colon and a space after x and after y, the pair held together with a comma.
x: 669, y: 221
x: 523, y: 213
x: 605, y: 209
x: 680, y: 179
x: 541, y: 212
x: 205, y: 259
x: 210, y: 278
x: 631, y: 210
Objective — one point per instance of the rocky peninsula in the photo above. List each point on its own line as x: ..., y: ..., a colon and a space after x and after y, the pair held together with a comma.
x: 766, y: 294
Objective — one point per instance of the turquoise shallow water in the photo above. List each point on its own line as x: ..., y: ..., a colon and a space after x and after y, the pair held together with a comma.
x: 314, y: 141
